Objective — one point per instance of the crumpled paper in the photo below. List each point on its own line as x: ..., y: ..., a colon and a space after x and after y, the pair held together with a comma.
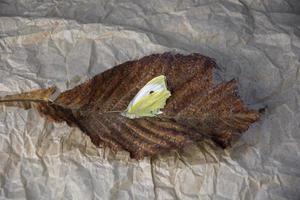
x: 64, y: 43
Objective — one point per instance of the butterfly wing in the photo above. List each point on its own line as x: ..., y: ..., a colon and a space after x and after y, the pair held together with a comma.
x: 149, y: 100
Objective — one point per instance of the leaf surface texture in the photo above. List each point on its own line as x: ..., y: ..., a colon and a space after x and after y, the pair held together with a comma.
x: 197, y: 108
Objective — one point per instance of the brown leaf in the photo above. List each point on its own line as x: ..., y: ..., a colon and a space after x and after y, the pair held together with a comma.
x: 197, y: 108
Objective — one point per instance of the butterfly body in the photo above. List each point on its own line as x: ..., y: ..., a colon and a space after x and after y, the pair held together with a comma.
x: 149, y: 100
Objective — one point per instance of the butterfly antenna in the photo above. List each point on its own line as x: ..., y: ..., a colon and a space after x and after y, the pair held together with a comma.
x: 115, y: 111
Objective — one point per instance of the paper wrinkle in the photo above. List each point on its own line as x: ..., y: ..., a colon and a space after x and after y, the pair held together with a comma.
x: 64, y: 43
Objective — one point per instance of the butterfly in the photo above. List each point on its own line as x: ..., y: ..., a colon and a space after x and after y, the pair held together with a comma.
x: 149, y: 100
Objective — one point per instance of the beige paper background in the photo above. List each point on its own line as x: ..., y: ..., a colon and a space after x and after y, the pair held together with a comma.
x: 64, y: 43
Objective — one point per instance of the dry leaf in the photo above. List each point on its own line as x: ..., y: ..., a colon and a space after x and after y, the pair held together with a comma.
x: 197, y: 108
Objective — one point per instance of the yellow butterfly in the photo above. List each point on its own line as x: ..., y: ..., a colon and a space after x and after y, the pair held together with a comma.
x: 149, y: 100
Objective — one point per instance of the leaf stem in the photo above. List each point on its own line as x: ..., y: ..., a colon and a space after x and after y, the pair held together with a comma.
x: 22, y: 100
